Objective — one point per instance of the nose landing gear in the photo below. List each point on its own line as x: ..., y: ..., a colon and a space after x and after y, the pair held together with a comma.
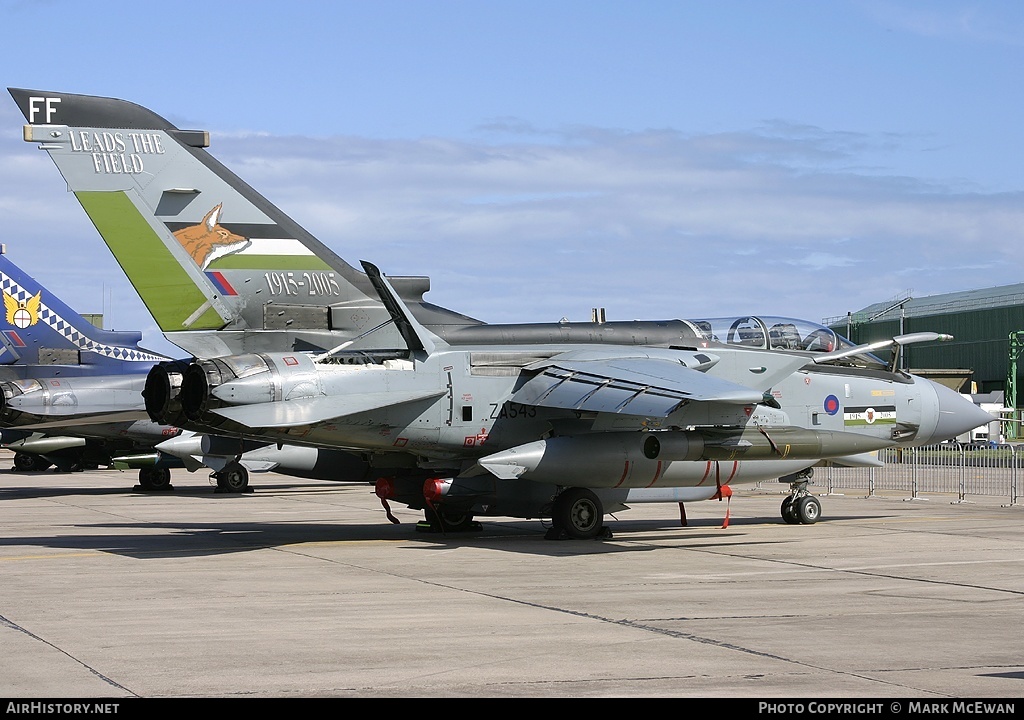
x: 800, y: 508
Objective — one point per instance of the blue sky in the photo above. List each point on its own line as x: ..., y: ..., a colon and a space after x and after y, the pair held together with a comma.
x: 538, y: 159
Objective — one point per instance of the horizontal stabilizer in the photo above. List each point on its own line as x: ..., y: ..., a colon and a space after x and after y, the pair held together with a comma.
x: 290, y: 413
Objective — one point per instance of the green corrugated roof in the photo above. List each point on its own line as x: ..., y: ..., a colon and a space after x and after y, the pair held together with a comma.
x: 984, y: 298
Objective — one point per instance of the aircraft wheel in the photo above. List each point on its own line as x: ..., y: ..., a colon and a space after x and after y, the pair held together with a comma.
x: 233, y: 478
x: 807, y: 509
x: 27, y: 462
x: 579, y: 513
x: 151, y: 478
x: 449, y: 520
x: 789, y: 511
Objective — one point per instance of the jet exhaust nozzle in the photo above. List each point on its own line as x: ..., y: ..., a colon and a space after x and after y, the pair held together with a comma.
x: 195, y: 387
x: 203, y: 383
x: 162, y: 392
x: 10, y: 390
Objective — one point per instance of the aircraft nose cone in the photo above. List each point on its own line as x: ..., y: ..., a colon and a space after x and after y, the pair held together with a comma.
x: 957, y: 415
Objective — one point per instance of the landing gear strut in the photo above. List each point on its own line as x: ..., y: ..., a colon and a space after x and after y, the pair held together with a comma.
x: 800, y: 508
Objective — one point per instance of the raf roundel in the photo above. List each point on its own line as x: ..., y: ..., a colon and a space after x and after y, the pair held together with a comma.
x: 831, y: 404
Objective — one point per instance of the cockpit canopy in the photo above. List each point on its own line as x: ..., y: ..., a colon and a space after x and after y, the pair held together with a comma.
x: 777, y: 333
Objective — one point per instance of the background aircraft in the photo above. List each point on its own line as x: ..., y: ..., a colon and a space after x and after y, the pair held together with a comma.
x: 233, y: 280
x: 61, y: 375
x: 71, y: 396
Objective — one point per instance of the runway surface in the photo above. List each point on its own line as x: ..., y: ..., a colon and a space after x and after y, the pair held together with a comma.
x: 304, y: 589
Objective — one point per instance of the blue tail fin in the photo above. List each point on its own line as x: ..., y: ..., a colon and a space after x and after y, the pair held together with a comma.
x: 37, y: 328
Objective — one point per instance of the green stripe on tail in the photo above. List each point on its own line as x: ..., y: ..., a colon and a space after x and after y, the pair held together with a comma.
x: 167, y: 290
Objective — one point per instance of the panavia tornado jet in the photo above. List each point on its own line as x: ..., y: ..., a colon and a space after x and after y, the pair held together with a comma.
x: 572, y: 427
x: 70, y: 392
x: 294, y: 346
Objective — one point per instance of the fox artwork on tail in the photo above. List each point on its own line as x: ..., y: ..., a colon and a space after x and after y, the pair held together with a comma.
x: 210, y: 240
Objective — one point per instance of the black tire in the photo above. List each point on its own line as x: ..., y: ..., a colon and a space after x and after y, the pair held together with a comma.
x: 789, y: 511
x: 27, y: 462
x: 807, y: 509
x: 151, y: 478
x: 449, y: 520
x: 233, y: 478
x: 579, y: 513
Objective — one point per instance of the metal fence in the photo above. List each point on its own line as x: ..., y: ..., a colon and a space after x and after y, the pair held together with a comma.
x: 947, y: 468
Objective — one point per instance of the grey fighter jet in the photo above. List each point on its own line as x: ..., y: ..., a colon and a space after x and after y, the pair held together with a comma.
x: 504, y: 426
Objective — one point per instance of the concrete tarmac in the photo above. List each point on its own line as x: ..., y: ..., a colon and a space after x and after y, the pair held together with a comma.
x: 304, y: 589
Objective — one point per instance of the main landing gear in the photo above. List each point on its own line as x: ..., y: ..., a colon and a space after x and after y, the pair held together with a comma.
x: 801, y: 508
x: 232, y: 478
x: 439, y: 519
x: 577, y: 514
x: 28, y: 462
x: 155, y: 478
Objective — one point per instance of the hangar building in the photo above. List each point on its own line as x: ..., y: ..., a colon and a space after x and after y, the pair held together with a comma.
x: 988, y: 337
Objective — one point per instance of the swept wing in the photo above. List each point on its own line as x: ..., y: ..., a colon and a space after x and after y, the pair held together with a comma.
x: 651, y: 383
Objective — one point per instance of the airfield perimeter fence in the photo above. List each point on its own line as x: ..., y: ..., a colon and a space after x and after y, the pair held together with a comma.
x: 946, y: 468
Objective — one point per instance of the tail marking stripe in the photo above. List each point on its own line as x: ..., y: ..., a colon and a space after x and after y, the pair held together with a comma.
x: 221, y: 282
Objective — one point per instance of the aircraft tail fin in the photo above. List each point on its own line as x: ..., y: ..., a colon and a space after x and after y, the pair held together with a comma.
x: 37, y: 328
x: 204, y: 250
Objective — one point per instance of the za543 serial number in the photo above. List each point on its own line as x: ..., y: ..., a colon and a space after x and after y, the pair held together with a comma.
x: 512, y: 410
